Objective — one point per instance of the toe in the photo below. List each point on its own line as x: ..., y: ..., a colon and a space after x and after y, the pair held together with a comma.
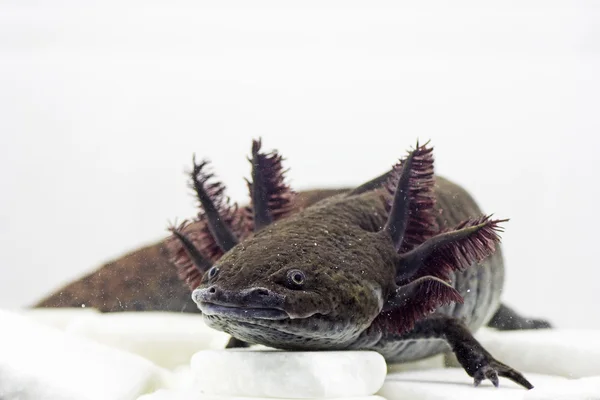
x: 492, y: 375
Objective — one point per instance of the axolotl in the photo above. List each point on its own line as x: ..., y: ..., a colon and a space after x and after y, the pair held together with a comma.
x: 405, y: 265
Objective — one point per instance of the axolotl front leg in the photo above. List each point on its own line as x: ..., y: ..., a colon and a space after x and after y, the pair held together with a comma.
x: 471, y: 355
x: 385, y: 337
x: 476, y: 360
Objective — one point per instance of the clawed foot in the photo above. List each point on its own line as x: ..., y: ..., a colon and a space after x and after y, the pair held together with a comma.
x: 492, y: 369
x: 476, y: 361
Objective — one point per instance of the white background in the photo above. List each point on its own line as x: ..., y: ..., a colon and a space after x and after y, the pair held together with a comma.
x: 101, y: 108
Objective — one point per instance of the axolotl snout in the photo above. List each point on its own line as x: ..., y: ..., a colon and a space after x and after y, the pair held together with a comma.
x: 403, y: 257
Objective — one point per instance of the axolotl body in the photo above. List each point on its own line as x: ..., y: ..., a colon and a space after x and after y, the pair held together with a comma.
x: 404, y: 265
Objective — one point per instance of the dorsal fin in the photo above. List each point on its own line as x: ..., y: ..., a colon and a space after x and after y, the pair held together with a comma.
x: 271, y: 198
x: 373, y: 184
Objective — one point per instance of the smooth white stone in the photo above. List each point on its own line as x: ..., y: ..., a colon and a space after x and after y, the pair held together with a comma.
x: 577, y: 389
x: 167, y: 339
x: 41, y: 362
x: 58, y: 317
x: 284, y: 374
x: 568, y: 353
x: 182, y: 377
x: 191, y: 395
x: 426, y: 363
x: 171, y: 395
x: 455, y: 384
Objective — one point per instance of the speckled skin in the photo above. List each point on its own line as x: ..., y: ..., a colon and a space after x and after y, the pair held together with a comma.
x: 350, y: 273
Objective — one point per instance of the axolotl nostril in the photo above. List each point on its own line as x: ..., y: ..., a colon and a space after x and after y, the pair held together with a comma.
x: 405, y: 256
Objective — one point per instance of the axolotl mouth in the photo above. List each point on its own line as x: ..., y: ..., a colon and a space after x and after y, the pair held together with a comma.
x: 239, y: 312
x: 245, y: 305
x: 257, y: 315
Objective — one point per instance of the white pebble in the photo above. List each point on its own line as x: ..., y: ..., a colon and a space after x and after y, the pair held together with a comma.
x: 577, y: 389
x: 41, y: 362
x: 437, y: 361
x: 167, y: 339
x: 568, y: 353
x: 455, y: 384
x: 282, y: 374
x: 193, y: 395
x: 58, y: 317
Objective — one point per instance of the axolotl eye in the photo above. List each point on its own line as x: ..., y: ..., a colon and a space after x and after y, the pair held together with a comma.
x: 213, y: 271
x: 295, y: 279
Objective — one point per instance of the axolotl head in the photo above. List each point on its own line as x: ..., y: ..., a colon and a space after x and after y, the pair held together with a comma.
x: 304, y: 282
x: 318, y: 278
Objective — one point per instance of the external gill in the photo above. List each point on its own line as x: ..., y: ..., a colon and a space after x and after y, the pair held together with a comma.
x: 220, y: 226
x: 426, y: 258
